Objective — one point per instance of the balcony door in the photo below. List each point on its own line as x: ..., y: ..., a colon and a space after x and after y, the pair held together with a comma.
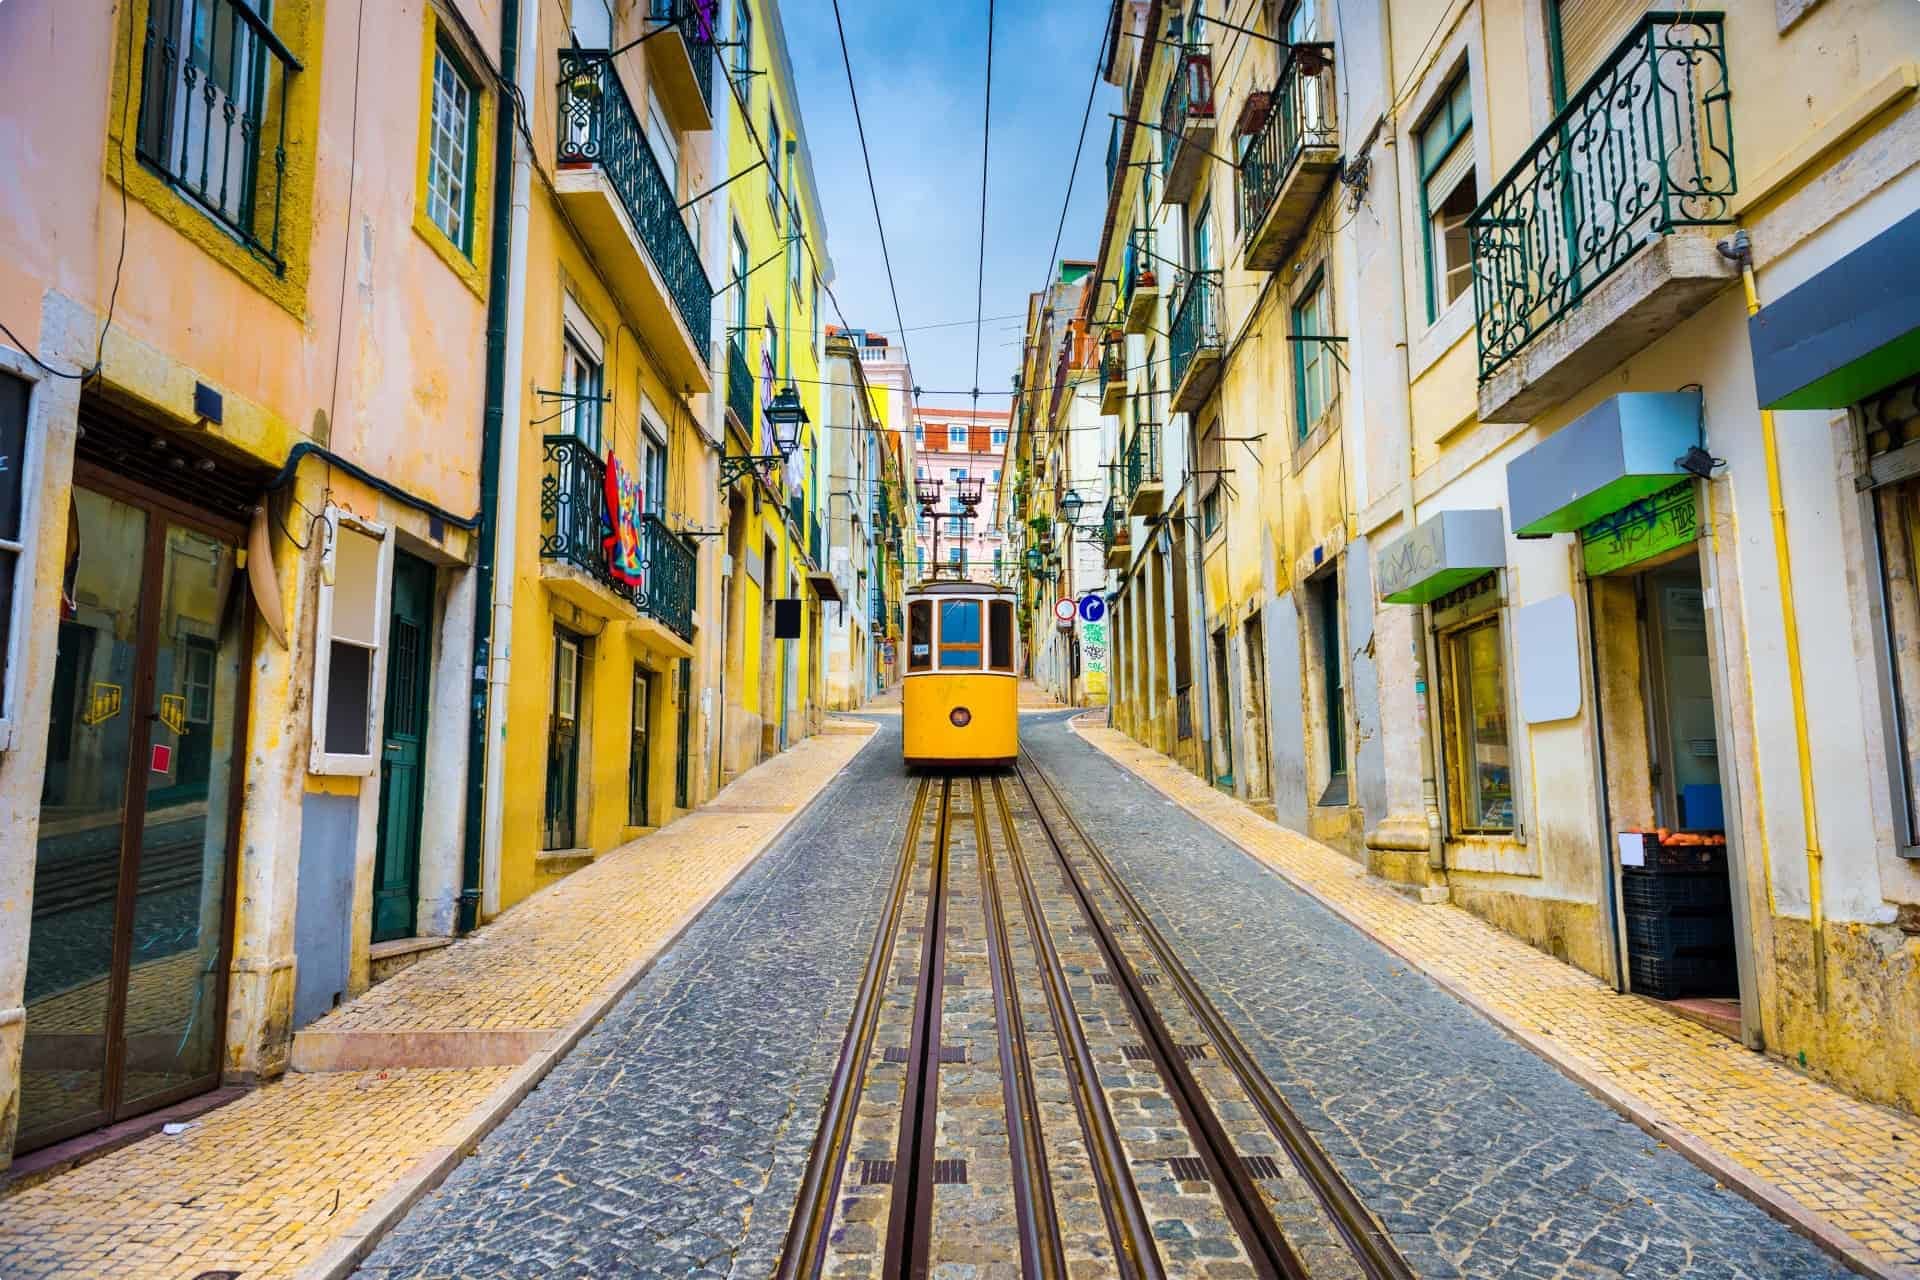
x: 396, y: 870
x: 133, y: 874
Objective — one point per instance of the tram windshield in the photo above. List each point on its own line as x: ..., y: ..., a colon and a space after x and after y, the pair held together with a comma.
x: 960, y: 635
x: 920, y: 635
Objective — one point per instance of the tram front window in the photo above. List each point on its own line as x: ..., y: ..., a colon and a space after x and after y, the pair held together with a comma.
x: 920, y: 636
x: 960, y: 635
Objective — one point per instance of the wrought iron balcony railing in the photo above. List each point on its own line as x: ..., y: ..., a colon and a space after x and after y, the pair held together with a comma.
x: 574, y: 527
x: 697, y: 24
x: 1644, y: 147
x: 213, y: 114
x: 1196, y: 323
x: 1300, y: 114
x: 1113, y: 364
x: 740, y: 387
x: 598, y: 126
x: 1139, y: 274
x: 1143, y: 456
x: 1189, y: 97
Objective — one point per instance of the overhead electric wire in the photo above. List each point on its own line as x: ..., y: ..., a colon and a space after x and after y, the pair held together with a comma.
x: 986, y: 151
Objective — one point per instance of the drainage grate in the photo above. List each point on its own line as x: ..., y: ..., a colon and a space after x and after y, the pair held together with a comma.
x: 953, y: 1053
x: 1188, y: 1169
x: 895, y: 1053
x: 1136, y: 1052
x: 1149, y: 979
x: 949, y: 1172
x: 1261, y: 1166
x: 875, y: 1172
x: 1103, y: 979
x: 1193, y: 1052
x: 954, y: 977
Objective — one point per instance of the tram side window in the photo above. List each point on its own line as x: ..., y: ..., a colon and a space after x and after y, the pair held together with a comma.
x: 920, y: 635
x: 960, y: 635
x: 1000, y: 635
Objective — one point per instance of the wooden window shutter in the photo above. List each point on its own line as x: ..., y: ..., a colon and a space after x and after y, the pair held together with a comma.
x: 1588, y: 31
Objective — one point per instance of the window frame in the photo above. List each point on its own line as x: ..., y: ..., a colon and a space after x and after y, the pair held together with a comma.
x: 742, y: 265
x: 25, y: 548
x: 996, y: 610
x: 580, y: 337
x: 742, y: 61
x: 1459, y: 86
x: 1313, y: 294
x: 445, y: 55
x: 921, y: 610
x: 341, y: 763
x: 1450, y: 624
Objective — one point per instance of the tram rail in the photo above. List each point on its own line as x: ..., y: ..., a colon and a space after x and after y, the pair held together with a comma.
x: 1059, y: 886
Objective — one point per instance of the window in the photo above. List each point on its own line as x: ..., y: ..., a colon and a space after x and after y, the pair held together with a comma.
x: 348, y: 635
x: 581, y: 381
x: 920, y: 635
x: 1473, y: 698
x: 919, y: 473
x: 956, y: 437
x: 999, y: 439
x: 665, y: 144
x: 1443, y: 148
x: 743, y: 40
x: 956, y: 474
x: 776, y: 154
x: 957, y: 557
x: 16, y: 394
x: 1000, y: 629
x: 996, y: 475
x: 592, y: 24
x: 1312, y: 361
x: 1203, y: 236
x: 740, y: 269
x: 1208, y: 477
x: 653, y: 470
x: 450, y: 153
x: 919, y: 433
x: 211, y: 113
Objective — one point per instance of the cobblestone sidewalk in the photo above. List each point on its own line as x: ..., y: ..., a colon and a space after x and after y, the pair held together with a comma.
x: 292, y: 1173
x: 1846, y: 1171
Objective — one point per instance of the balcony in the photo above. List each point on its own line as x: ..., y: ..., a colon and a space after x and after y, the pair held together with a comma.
x: 1291, y: 155
x: 1194, y: 344
x: 740, y: 389
x: 1186, y: 121
x: 1139, y: 281
x: 1113, y: 374
x: 573, y: 551
x: 1117, y: 532
x: 682, y: 60
x: 629, y: 218
x: 1145, y: 491
x: 1588, y: 249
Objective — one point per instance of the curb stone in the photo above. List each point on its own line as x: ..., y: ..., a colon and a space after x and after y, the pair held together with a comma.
x: 353, y: 1246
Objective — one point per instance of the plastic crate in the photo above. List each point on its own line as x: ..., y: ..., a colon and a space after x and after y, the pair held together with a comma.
x: 1674, y: 934
x: 1650, y: 892
x: 1671, y: 977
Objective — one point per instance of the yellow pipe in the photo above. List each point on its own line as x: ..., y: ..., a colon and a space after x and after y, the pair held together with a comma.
x: 1770, y: 445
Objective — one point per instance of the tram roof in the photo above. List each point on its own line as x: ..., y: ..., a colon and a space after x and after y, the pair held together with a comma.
x: 959, y: 587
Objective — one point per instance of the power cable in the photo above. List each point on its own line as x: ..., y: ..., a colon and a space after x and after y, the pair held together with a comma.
x: 986, y: 150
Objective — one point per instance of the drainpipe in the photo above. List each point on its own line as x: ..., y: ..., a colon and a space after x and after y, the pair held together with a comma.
x: 499, y: 477
x: 1740, y: 249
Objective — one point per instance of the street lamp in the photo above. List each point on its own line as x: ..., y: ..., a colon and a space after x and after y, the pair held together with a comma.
x: 787, y: 415
x: 1070, y: 504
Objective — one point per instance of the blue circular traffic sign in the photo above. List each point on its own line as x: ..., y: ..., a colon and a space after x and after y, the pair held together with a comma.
x: 1092, y: 607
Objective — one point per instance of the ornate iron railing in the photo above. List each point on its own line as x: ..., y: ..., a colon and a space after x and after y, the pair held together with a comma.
x: 1189, y: 94
x: 598, y: 126
x: 697, y: 23
x: 1645, y: 146
x: 740, y: 388
x: 1300, y: 113
x: 574, y: 527
x: 1196, y: 323
x: 1143, y: 456
x: 213, y: 114
x: 1113, y: 364
x: 1137, y: 267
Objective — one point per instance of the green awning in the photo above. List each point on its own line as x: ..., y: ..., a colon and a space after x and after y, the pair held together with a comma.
x: 1446, y: 550
x: 1625, y: 448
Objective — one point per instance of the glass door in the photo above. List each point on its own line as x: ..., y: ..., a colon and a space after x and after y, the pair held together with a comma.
x: 132, y: 903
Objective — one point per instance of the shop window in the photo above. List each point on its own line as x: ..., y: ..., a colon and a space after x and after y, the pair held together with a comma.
x: 960, y: 634
x: 1443, y: 148
x: 349, y: 628
x: 920, y: 635
x: 15, y: 395
x: 1475, y: 729
x: 1000, y: 630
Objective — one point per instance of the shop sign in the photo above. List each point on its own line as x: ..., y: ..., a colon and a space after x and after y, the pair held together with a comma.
x: 1640, y: 530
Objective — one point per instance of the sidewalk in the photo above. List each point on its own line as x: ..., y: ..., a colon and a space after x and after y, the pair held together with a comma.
x: 1843, y: 1171
x: 304, y: 1174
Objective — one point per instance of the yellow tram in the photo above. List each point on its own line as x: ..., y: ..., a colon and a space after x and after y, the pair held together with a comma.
x: 960, y: 695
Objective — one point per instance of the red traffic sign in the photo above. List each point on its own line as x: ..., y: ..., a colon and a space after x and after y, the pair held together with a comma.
x: 1064, y: 610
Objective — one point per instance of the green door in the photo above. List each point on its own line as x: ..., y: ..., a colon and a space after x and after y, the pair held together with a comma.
x: 396, y: 867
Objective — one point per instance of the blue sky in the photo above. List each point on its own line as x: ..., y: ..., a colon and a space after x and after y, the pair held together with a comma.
x: 920, y: 69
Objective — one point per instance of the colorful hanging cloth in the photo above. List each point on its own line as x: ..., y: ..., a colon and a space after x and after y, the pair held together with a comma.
x: 622, y: 539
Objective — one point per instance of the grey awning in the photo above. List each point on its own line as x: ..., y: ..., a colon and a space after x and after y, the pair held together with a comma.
x: 1626, y: 447
x: 1444, y: 551
x: 1850, y: 331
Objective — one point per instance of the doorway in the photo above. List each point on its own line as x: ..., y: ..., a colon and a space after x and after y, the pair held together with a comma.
x: 1223, y: 710
x: 1333, y: 690
x: 134, y: 863
x: 1665, y: 790
x: 1256, y: 746
x: 563, y: 744
x: 641, y: 711
x: 396, y: 860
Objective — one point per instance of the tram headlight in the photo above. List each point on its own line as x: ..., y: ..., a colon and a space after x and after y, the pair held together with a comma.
x: 961, y: 717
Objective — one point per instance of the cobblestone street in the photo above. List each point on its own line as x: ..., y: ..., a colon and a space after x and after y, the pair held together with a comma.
x: 1181, y: 985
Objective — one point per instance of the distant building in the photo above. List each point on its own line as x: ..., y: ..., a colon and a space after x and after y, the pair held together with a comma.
x: 951, y: 446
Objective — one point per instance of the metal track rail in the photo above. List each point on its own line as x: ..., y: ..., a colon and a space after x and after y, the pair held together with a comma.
x: 1368, y: 1241
x: 804, y: 1252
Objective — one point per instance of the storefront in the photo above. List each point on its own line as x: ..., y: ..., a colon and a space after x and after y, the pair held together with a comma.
x: 134, y: 870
